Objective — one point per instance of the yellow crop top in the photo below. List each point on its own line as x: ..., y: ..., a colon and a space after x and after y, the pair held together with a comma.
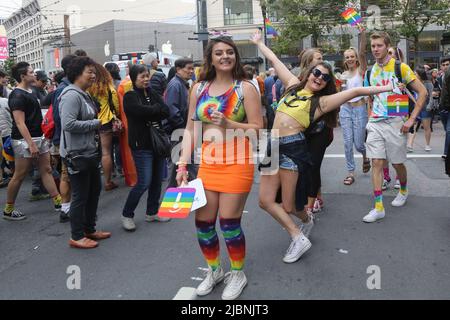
x: 297, y: 105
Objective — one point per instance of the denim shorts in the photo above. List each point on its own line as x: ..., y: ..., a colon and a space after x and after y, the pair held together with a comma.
x: 287, y: 163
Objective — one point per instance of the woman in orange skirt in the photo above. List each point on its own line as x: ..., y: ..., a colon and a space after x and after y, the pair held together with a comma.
x: 226, y: 167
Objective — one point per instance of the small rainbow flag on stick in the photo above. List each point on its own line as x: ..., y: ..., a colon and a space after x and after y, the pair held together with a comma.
x: 269, y: 28
x: 352, y: 17
x: 177, y: 203
x: 398, y: 105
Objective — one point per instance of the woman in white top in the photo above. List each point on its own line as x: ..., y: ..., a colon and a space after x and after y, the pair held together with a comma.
x: 353, y: 115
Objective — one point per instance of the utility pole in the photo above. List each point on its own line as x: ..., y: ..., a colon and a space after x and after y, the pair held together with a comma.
x: 67, y: 42
x: 202, y: 25
x: 264, y: 14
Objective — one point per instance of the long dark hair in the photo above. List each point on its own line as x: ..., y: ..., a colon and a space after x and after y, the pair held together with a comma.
x: 209, y: 72
x: 330, y: 118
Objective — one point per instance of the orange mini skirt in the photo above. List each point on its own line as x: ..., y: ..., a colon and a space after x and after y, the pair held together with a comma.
x: 227, y: 167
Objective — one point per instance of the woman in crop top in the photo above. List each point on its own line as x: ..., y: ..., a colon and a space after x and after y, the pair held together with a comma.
x: 317, y: 90
x: 353, y: 115
x: 224, y: 102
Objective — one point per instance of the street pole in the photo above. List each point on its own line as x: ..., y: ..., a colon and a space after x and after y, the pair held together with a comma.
x: 67, y: 42
x: 156, y: 43
x: 264, y: 14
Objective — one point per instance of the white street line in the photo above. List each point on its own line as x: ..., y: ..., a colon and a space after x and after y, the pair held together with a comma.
x: 196, y: 279
x: 186, y: 293
x: 410, y: 156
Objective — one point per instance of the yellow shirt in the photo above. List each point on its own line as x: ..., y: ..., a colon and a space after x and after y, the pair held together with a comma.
x: 297, y: 105
x: 105, y: 114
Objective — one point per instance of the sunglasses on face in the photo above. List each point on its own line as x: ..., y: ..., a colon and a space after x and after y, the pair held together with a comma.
x: 325, y: 76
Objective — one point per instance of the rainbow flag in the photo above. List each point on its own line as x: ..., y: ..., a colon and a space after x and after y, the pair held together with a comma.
x: 352, y: 17
x: 270, y: 28
x: 398, y: 105
x: 177, y: 203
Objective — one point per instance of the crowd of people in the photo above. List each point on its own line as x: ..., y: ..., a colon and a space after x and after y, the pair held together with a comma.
x: 68, y: 150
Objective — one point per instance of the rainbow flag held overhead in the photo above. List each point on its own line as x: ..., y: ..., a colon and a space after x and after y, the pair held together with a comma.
x: 270, y: 28
x: 352, y: 17
x: 177, y: 203
x: 398, y: 105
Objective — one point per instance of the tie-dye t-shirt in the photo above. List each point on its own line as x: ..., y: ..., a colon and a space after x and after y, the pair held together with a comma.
x: 381, y: 76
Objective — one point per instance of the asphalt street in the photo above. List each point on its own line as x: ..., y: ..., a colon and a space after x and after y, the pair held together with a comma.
x: 410, y: 246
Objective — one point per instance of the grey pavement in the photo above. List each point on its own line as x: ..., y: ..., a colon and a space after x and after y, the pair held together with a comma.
x: 410, y: 246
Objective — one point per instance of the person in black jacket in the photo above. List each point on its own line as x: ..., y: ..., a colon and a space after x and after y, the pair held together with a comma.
x: 143, y: 108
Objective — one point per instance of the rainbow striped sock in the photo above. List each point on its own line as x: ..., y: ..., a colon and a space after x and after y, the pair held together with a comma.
x: 235, y: 240
x: 403, y: 188
x: 379, y: 201
x: 209, y: 242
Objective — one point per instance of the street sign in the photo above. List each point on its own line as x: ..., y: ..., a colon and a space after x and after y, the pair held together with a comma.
x: 12, y: 48
x: 3, y: 48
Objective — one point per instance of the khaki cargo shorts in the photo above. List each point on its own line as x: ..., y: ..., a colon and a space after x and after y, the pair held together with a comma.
x: 385, y: 140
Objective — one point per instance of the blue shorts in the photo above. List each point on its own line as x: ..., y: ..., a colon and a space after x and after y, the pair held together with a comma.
x: 424, y: 114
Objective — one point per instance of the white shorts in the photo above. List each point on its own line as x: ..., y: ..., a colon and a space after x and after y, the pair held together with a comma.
x: 386, y: 141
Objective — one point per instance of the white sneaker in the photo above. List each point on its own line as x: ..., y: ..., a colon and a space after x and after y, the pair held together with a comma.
x: 397, y: 184
x: 307, y: 227
x: 409, y: 149
x: 385, y: 185
x: 128, y: 224
x: 374, y: 216
x: 298, y: 247
x: 400, y: 200
x: 236, y: 282
x: 156, y: 218
x: 211, y: 280
x: 427, y: 148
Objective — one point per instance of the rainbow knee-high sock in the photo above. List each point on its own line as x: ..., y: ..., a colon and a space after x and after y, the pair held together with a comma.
x: 403, y: 188
x: 379, y: 200
x: 235, y: 240
x: 209, y: 242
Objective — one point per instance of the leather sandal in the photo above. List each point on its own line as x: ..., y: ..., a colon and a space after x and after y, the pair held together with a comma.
x: 99, y: 235
x: 349, y: 180
x: 84, y: 243
x: 111, y: 186
x: 366, y: 166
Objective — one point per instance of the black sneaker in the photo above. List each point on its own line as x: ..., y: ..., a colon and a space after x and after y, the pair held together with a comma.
x: 16, y: 215
x: 64, y: 217
x: 58, y: 207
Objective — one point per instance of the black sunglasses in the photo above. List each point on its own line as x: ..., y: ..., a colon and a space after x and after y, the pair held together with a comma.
x: 325, y: 76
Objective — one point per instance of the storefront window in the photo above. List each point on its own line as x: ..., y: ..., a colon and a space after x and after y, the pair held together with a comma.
x: 238, y: 12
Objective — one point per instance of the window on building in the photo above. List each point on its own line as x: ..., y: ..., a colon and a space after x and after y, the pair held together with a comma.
x: 238, y: 12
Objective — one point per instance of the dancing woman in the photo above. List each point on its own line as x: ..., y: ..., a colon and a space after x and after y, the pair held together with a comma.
x: 316, y: 95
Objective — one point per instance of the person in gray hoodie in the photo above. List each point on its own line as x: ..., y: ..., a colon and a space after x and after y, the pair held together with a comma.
x: 80, y: 134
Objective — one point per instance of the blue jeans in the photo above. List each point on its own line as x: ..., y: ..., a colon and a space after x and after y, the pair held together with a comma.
x: 149, y: 170
x: 353, y: 122
x: 446, y: 123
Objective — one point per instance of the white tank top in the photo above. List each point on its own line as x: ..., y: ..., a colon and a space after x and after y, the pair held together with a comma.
x: 355, y: 82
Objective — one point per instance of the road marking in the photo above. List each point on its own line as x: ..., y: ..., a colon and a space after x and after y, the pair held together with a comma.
x: 196, y: 279
x: 410, y: 156
x: 186, y: 293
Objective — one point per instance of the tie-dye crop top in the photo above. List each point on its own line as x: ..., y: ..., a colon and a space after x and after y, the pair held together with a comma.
x: 230, y: 104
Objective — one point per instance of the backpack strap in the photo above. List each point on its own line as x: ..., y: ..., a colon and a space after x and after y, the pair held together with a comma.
x: 368, y: 74
x: 398, y: 70
x: 240, y: 90
x: 312, y: 110
x: 201, y: 88
x: 111, y: 103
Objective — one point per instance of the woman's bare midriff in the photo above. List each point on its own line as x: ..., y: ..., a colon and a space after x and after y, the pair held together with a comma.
x: 286, y: 125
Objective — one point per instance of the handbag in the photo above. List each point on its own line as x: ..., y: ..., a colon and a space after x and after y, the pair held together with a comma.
x: 160, y: 140
x: 117, y: 126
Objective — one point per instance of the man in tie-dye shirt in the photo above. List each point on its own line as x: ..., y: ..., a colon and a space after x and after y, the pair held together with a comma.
x: 389, y: 123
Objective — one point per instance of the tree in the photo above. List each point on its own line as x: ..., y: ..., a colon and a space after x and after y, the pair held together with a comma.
x: 302, y: 18
x: 416, y: 15
x: 7, y: 67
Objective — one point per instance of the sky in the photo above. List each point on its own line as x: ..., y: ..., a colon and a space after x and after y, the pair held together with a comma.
x: 9, y: 6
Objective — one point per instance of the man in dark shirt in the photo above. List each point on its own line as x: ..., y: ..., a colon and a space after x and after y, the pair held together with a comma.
x: 39, y: 88
x: 177, y: 99
x: 4, y: 91
x: 27, y: 140
x: 444, y: 105
x: 158, y: 80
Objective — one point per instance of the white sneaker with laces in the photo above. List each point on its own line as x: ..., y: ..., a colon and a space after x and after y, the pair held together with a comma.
x: 211, y: 280
x: 374, y: 216
x: 427, y: 148
x: 128, y: 224
x: 397, y: 184
x: 385, y: 185
x: 307, y: 227
x: 236, y: 282
x: 156, y: 218
x: 298, y: 247
x: 400, y: 200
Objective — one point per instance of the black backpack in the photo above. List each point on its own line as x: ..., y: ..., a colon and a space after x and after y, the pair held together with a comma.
x: 398, y: 74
